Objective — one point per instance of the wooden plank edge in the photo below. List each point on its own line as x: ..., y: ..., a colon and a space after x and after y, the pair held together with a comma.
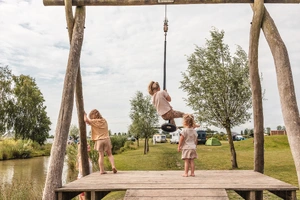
x: 156, y: 2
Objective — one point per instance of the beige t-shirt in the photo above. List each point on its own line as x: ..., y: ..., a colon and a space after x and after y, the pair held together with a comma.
x: 160, y: 102
x: 190, y: 138
x: 99, y: 129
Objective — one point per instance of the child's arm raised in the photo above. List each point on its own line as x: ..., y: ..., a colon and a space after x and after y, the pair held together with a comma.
x: 86, y: 119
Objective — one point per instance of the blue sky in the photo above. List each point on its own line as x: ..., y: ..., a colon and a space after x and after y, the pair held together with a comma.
x: 123, y: 51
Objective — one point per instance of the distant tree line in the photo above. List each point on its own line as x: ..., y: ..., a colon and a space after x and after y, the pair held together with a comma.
x: 22, y: 110
x: 266, y: 130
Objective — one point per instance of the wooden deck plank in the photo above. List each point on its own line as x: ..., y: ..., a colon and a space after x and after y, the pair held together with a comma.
x: 176, y: 198
x: 176, y: 192
x: 213, y: 194
x: 244, y: 181
x: 223, y: 179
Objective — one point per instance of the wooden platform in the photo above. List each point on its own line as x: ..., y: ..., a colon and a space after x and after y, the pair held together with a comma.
x: 211, y: 184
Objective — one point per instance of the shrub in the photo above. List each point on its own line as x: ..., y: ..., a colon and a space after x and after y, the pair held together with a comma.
x: 117, y: 142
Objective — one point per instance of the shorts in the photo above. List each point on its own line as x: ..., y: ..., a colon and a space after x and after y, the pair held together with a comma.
x: 189, y: 154
x: 103, y: 145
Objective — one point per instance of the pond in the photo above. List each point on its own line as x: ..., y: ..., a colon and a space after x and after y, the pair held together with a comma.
x: 33, y: 170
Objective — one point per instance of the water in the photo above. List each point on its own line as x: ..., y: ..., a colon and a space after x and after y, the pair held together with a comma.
x: 28, y: 170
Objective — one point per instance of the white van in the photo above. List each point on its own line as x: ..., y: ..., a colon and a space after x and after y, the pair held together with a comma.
x: 159, y: 138
x: 175, y: 136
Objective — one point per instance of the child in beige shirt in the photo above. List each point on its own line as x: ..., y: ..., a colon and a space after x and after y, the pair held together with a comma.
x: 101, y: 138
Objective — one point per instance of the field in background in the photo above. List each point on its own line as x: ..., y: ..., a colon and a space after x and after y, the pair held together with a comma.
x: 279, y: 163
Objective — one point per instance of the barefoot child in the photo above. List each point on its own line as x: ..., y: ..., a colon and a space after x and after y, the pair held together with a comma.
x: 188, y: 143
x: 101, y: 138
x: 161, y: 99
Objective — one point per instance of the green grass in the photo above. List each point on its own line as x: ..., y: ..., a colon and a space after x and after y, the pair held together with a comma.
x: 279, y: 163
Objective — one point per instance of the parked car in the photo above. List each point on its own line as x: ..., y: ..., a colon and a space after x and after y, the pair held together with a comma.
x: 238, y: 138
x: 131, y: 139
x: 201, y: 136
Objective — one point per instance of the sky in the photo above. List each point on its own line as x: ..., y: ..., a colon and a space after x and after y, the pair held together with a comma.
x: 123, y: 51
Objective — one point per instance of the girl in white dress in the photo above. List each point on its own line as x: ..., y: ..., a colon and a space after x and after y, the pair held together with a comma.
x: 188, y: 143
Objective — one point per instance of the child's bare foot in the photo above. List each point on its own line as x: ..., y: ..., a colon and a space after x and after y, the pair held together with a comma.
x: 103, y: 173
x: 184, y: 175
x: 193, y: 175
x: 114, y: 170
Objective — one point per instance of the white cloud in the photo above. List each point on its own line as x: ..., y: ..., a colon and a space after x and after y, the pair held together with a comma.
x: 123, y: 51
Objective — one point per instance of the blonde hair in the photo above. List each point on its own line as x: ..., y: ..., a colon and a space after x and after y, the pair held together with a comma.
x: 95, y: 114
x: 188, y: 120
x: 153, y: 86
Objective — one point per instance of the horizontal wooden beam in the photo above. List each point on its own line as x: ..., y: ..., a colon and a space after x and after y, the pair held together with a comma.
x: 154, y: 2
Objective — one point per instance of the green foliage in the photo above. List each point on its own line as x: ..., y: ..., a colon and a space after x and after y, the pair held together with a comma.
x: 143, y: 116
x: 30, y: 117
x: 5, y: 99
x: 117, y: 143
x: 218, y: 84
x: 21, y: 107
x: 72, y: 152
x: 15, y: 149
x: 74, y: 132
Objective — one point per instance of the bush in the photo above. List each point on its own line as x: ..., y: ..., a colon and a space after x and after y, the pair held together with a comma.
x: 117, y: 143
x: 15, y: 149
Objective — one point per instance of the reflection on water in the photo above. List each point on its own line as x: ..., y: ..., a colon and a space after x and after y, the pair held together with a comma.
x: 33, y: 170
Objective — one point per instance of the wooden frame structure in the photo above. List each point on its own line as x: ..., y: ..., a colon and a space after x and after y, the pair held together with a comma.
x: 73, y: 85
x: 154, y: 2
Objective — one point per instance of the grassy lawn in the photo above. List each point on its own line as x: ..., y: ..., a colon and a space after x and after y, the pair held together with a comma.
x: 279, y: 163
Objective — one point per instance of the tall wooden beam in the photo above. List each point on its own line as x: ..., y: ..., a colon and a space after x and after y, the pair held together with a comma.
x: 154, y: 2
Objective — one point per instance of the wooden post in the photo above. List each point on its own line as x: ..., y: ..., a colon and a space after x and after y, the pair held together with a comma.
x: 153, y: 2
x: 285, y: 85
x: 258, y: 11
x: 79, y: 96
x: 54, y: 175
x: 79, y: 99
x: 258, y: 116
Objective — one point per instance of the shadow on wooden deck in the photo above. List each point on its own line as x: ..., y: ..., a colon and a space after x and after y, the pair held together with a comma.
x: 207, y: 184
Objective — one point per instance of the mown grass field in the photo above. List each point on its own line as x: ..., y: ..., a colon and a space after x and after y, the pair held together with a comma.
x: 279, y: 163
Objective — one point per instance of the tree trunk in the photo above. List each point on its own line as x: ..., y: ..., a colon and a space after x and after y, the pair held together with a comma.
x: 258, y: 118
x: 145, y: 146
x: 54, y: 175
x: 232, y: 149
x: 285, y: 85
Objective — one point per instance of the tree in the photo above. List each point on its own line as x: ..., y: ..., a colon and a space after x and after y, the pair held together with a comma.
x: 30, y: 118
x: 6, y: 96
x: 268, y: 130
x: 279, y: 128
x: 218, y: 86
x: 144, y: 117
x: 74, y: 132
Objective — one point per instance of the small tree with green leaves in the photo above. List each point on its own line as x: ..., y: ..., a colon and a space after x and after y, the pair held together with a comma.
x: 74, y: 132
x: 6, y: 96
x: 30, y: 117
x: 218, y: 86
x: 144, y: 117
